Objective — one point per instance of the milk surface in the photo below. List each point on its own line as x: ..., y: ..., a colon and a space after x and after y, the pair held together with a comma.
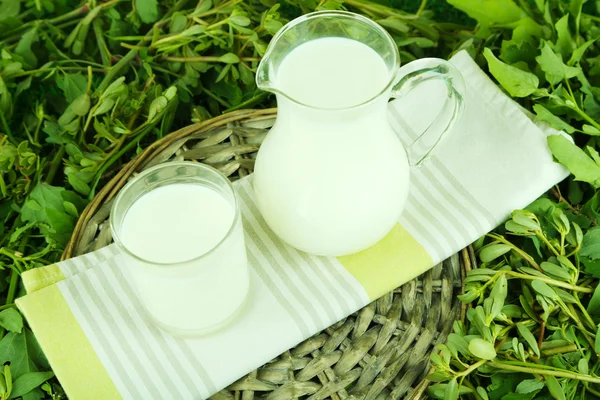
x: 332, y: 72
x: 176, y: 223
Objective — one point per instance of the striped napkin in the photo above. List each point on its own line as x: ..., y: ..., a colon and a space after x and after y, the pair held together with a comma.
x: 101, y: 345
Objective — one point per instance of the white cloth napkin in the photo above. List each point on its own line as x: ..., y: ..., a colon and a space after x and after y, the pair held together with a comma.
x: 102, y: 346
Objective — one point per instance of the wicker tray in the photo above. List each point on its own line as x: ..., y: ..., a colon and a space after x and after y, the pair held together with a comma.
x: 380, y: 352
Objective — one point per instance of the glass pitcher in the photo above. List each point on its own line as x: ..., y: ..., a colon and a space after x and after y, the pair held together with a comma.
x: 332, y: 177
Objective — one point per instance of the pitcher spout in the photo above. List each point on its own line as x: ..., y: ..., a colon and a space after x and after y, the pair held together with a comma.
x: 262, y: 74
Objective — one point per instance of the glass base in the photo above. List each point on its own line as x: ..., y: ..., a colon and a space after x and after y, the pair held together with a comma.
x: 191, y: 333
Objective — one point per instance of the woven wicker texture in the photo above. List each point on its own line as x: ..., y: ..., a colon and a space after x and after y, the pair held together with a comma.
x: 380, y: 352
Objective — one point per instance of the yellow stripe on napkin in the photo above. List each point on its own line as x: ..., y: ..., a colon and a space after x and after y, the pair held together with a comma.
x: 67, y: 348
x: 398, y: 257
x: 39, y: 278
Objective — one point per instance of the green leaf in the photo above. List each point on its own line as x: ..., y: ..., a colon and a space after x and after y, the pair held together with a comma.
x: 554, y: 388
x: 114, y: 87
x: 590, y: 247
x: 451, y: 392
x: 23, y: 352
x: 593, y: 307
x: 594, y: 154
x: 29, y: 381
x: 459, y: 343
x: 597, y: 341
x: 525, y: 218
x: 229, y: 58
x: 45, y: 205
x: 477, y: 317
x: 575, y: 159
x: 482, y: 349
x: 530, y: 385
x: 492, y: 251
x: 578, y: 53
x: 529, y: 338
x: 498, y: 296
x: 79, y: 185
x: 583, y: 366
x: 518, y: 83
x: 81, y: 105
x: 104, y: 106
x: 24, y: 47
x: 9, y: 9
x: 590, y: 130
x: 560, y: 221
x: 512, y: 311
x: 542, y: 288
x: 147, y: 10
x: 73, y: 85
x: 555, y: 271
x: 394, y: 24
x: 11, y: 320
x: 203, y: 6
x: 552, y: 64
x: 193, y: 30
x: 438, y: 376
x: 516, y: 228
x: 178, y: 22
x: 482, y: 393
x: 556, y: 122
x: 240, y: 20
x: 468, y: 296
x: 488, y: 12
x: 564, y: 43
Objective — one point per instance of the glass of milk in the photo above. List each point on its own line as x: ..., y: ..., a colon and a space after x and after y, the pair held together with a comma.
x: 179, y: 229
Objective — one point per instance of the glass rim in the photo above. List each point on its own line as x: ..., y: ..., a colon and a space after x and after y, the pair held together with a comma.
x: 119, y: 198
x: 342, y: 14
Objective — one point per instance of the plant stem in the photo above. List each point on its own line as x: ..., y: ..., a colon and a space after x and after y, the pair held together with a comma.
x: 470, y: 386
x: 118, y: 155
x: 207, y: 59
x: 543, y: 238
x: 592, y: 391
x: 55, y: 164
x: 472, y: 368
x: 542, y: 371
x: 582, y: 328
x: 7, y: 130
x: 524, y: 255
x: 217, y: 99
x: 592, y: 17
x: 215, y: 10
x: 559, y: 350
x: 12, y: 289
x: 115, y: 70
x: 78, y: 12
x: 584, y: 115
x: 9, y: 305
x: 587, y: 316
x: 12, y: 286
x: 40, y: 70
x: 550, y: 281
x: 422, y: 7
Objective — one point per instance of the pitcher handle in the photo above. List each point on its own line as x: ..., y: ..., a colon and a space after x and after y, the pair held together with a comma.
x: 420, y: 71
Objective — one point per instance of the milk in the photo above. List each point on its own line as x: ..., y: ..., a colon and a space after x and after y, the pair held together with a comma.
x: 331, y: 177
x: 332, y: 73
x: 190, y: 271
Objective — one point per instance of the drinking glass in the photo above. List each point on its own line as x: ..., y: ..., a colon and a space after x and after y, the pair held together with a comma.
x: 197, y: 295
